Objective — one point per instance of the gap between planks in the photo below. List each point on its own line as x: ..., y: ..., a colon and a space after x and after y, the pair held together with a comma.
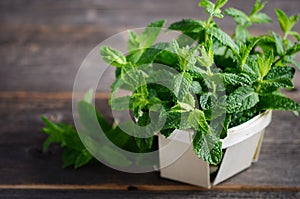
x: 149, y: 187
x: 47, y: 95
x: 67, y: 95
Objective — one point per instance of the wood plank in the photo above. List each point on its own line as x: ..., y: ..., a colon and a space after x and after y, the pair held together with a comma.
x: 43, y: 42
x: 46, y: 59
x: 116, y: 13
x: 139, y: 187
x: 32, y: 194
x: 21, y: 155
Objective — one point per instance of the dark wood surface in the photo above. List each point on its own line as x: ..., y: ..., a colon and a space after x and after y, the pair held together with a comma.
x: 42, y: 44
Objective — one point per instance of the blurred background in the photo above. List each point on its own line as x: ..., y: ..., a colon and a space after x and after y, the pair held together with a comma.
x: 43, y: 42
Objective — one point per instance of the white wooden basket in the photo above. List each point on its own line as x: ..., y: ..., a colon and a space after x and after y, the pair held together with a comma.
x: 242, y: 147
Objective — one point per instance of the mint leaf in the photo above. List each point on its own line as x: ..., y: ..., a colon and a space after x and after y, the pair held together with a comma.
x: 74, y: 151
x: 196, y: 87
x: 83, y: 158
x: 187, y: 25
x: 213, y: 9
x: 224, y: 38
x: 220, y: 3
x: 245, y: 51
x: 208, y: 147
x: 258, y: 6
x: 278, y: 43
x: 152, y: 52
x: 112, y: 56
x: 114, y: 157
x: 280, y: 72
x: 197, y: 120
x: 256, y: 16
x: 234, y: 79
x: 260, y: 18
x: 264, y: 64
x: 69, y: 157
x: 270, y: 85
x: 54, y: 131
x: 277, y: 102
x: 286, y: 23
x: 181, y: 85
x: 137, y: 44
x: 241, y: 99
x: 239, y: 16
x: 186, y: 56
x: 293, y: 50
x: 121, y: 103
x: 133, y: 41
x: 150, y: 34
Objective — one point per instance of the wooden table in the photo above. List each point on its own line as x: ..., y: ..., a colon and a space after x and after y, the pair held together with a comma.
x: 42, y: 46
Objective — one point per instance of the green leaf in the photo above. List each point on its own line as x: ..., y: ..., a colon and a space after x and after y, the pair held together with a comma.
x: 270, y: 85
x: 197, y: 120
x: 234, y: 79
x: 112, y: 56
x: 150, y: 34
x: 69, y: 157
x: 196, y: 87
x: 239, y: 16
x: 242, y: 117
x: 68, y: 138
x: 176, y: 120
x: 137, y: 44
x: 223, y: 38
x: 88, y: 117
x: 260, y: 18
x: 283, y: 20
x: 152, y: 52
x: 187, y: 25
x: 207, y: 4
x: 286, y: 23
x: 295, y: 34
x: 181, y: 85
x: 245, y: 50
x: 186, y: 56
x: 83, y: 158
x: 251, y: 69
x: 225, y: 126
x: 279, y: 43
x: 258, y: 6
x: 121, y: 103
x: 220, y: 3
x: 208, y: 147
x: 241, y: 99
x: 114, y: 157
x: 293, y: 50
x: 213, y: 9
x: 264, y: 64
x: 280, y: 72
x: 241, y: 34
x: 206, y: 100
x: 189, y: 100
x: 133, y: 41
x: 277, y: 102
x: 207, y: 56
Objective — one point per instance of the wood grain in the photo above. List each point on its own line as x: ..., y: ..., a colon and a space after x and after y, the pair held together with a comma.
x: 20, y: 126
x: 91, y: 194
x: 42, y: 44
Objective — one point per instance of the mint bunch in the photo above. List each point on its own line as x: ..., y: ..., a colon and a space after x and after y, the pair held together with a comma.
x: 218, y: 77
